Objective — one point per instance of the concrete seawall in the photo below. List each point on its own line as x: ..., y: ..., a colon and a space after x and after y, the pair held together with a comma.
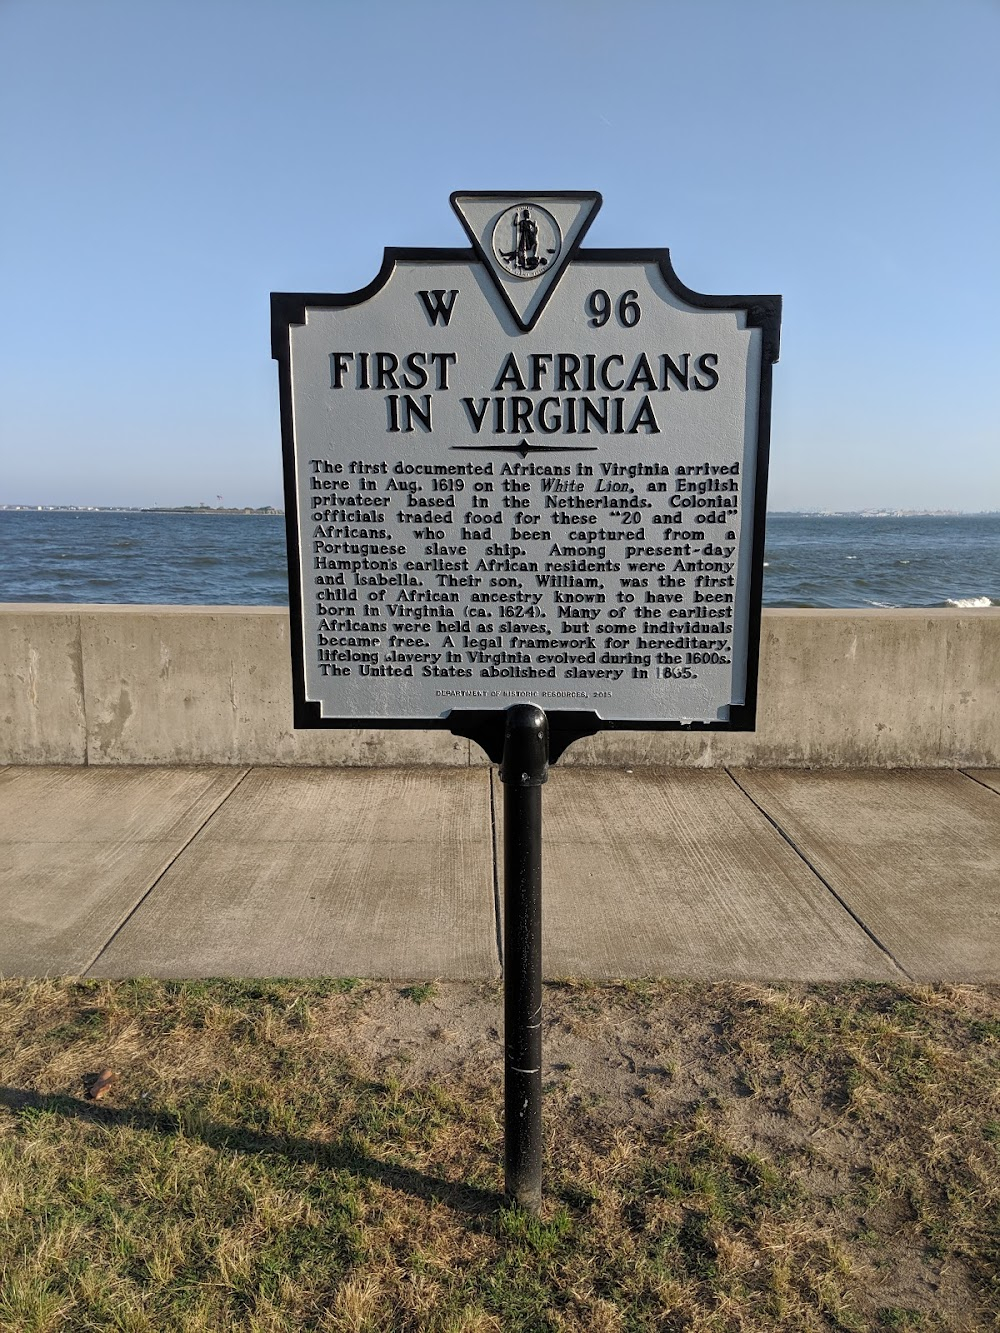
x: 212, y: 685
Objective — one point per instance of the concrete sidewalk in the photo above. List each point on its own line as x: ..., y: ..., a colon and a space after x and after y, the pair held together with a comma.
x: 699, y: 873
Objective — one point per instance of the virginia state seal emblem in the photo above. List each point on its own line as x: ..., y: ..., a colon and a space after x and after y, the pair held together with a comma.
x: 526, y: 240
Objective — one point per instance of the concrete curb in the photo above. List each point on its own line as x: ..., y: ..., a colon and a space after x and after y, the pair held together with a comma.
x: 212, y: 685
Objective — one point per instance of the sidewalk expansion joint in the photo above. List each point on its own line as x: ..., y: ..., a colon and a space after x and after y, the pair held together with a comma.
x: 822, y: 879
x: 172, y: 862
x: 978, y: 781
x: 497, y: 908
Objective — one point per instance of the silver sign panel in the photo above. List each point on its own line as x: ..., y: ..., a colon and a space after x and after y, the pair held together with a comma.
x: 526, y: 472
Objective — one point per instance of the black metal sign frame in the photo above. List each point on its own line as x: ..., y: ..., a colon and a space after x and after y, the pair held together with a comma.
x: 486, y: 726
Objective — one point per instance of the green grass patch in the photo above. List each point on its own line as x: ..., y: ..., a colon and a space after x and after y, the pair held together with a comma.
x: 420, y: 992
x: 325, y: 1155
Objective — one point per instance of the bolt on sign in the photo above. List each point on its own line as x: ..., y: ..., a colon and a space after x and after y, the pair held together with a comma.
x: 525, y: 472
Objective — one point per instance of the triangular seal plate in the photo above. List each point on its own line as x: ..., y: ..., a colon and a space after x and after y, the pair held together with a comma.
x: 526, y: 240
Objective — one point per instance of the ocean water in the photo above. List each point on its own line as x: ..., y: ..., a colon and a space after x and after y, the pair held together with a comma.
x: 942, y: 560
x: 237, y: 559
x: 182, y: 559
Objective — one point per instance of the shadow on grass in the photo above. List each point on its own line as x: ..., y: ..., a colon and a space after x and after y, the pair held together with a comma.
x: 336, y: 1156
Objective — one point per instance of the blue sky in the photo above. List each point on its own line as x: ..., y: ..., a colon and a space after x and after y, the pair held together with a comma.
x: 168, y: 163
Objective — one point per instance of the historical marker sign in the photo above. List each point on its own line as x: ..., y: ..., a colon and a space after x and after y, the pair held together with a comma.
x: 525, y: 472
x: 525, y: 489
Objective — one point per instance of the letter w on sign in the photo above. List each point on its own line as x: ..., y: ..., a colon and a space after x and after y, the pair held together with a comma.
x: 438, y: 309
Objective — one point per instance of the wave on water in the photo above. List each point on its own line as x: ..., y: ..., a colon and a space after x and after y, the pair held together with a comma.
x: 963, y: 602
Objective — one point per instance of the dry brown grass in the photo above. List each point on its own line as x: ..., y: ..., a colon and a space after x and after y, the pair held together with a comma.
x: 296, y: 1155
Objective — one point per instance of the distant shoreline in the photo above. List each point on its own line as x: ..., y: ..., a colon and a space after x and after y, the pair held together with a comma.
x: 264, y: 511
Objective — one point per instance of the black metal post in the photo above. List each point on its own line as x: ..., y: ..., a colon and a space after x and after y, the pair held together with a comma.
x: 524, y: 769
